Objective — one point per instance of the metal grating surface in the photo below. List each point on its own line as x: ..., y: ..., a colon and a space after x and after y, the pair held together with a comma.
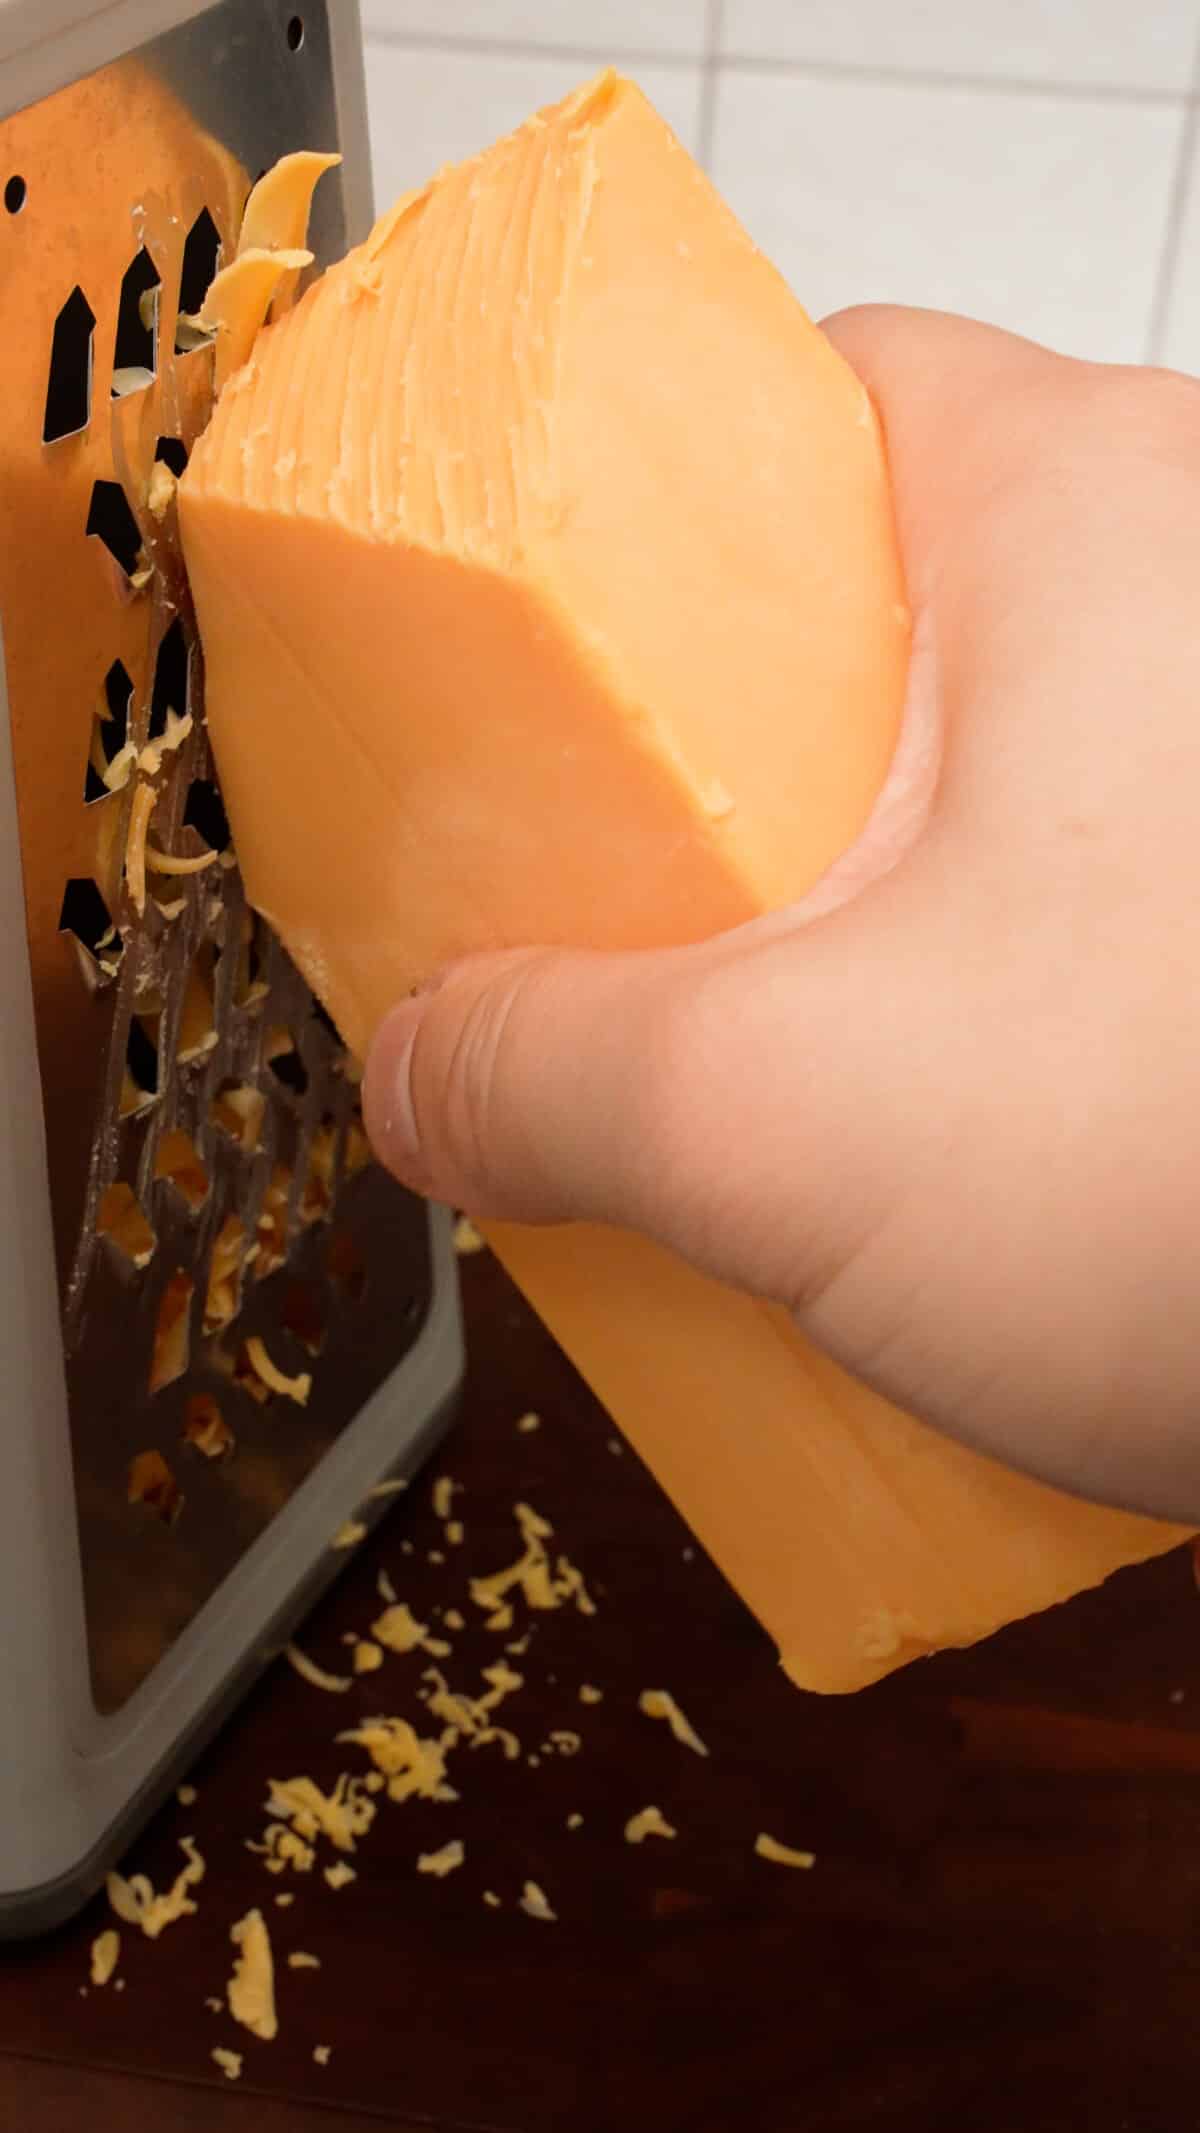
x: 209, y: 1176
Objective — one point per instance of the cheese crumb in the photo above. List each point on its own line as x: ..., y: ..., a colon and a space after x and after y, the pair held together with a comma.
x: 467, y: 1239
x: 781, y: 1854
x: 385, y: 1588
x: 285, y: 1899
x: 563, y: 1741
x: 658, y: 1703
x: 588, y: 1694
x: 251, y: 1988
x: 575, y: 1821
x: 444, y: 1492
x: 321, y: 2054
x: 299, y: 1959
x: 276, y: 1380
x: 386, y: 1488
x: 414, y: 1768
x: 339, y: 1875
x: 308, y: 1670
x: 616, y: 1447
x: 456, y: 1532
x: 106, y: 1954
x: 442, y: 1862
x: 341, y: 1815
x: 542, y: 1587
x: 453, y: 1620
x: 651, y: 1822
x: 136, y: 1903
x: 399, y: 1630
x: 186, y: 1795
x: 349, y: 1535
x: 535, y: 1904
x: 528, y: 1423
x: 229, y: 2062
x: 491, y: 1899
x: 367, y: 1656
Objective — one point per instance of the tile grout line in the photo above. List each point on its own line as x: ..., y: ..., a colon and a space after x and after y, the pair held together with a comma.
x: 750, y: 63
x: 1181, y: 185
x: 713, y: 22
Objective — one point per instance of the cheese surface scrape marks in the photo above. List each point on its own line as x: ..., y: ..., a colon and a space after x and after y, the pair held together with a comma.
x: 544, y: 561
x: 544, y: 565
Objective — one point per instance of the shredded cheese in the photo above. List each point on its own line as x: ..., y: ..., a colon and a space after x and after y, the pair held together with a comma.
x: 308, y: 1670
x: 297, y: 1388
x: 414, y: 1768
x: 536, y: 1904
x: 444, y: 1492
x: 442, y: 1862
x: 145, y: 799
x: 229, y: 2062
x: 528, y: 1423
x: 251, y: 1988
x: 658, y: 1703
x: 341, y: 1816
x: 136, y: 1903
x: 340, y: 1874
x: 781, y: 1854
x: 349, y: 1535
x: 106, y: 1954
x: 368, y: 1657
x: 399, y: 1631
x: 160, y: 862
x: 588, y: 1694
x: 650, y: 1822
x: 467, y: 1239
x: 299, y: 1959
x: 542, y: 1587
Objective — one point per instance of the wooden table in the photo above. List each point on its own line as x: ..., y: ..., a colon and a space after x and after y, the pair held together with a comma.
x: 1001, y: 1930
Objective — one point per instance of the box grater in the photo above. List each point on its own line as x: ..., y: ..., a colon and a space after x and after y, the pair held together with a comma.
x: 222, y: 1327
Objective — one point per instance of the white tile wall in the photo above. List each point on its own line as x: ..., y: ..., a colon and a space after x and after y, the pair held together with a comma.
x: 1180, y: 343
x: 429, y: 107
x: 1042, y: 215
x: 676, y: 26
x: 1126, y: 44
x: 876, y: 148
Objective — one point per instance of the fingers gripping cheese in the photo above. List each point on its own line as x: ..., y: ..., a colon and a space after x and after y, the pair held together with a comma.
x: 545, y: 569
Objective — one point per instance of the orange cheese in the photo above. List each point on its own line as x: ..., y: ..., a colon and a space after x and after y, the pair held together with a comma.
x: 544, y: 564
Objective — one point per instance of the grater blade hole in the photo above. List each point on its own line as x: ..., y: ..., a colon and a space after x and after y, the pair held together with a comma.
x: 179, y: 1163
x: 140, y: 1082
x: 69, y: 388
x: 279, y: 1051
x: 205, y: 813
x: 135, y: 350
x: 173, y: 453
x: 172, y: 1333
x: 171, y: 689
x: 201, y: 257
x: 223, y: 1299
x: 119, y: 1217
x: 238, y: 1110
x: 112, y: 522
x: 16, y: 192
x: 347, y: 1267
x: 357, y: 1153
x: 86, y: 915
x: 272, y: 1229
x: 110, y: 757
x: 295, y: 33
x: 316, y: 1199
x: 152, y: 1483
x: 302, y: 1313
x: 206, y: 1430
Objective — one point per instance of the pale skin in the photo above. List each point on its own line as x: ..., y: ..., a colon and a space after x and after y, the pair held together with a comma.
x: 948, y: 1109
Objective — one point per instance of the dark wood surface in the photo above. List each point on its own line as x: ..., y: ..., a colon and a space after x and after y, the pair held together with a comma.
x: 1001, y: 1931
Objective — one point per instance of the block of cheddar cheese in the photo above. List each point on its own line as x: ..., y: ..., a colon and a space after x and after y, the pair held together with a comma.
x: 544, y: 564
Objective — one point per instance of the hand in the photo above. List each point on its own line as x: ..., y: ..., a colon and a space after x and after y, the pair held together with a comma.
x: 948, y: 1109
